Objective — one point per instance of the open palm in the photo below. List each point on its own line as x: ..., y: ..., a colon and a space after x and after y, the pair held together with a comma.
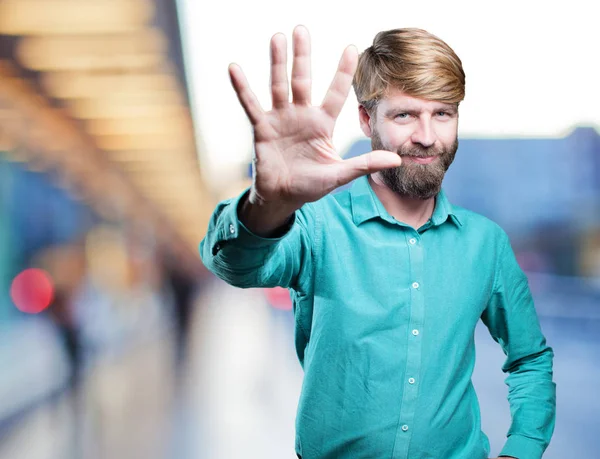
x: 295, y: 161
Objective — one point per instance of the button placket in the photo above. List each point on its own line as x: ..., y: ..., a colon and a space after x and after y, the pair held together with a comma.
x: 412, y: 369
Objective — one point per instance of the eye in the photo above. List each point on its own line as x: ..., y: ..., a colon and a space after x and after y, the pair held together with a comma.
x: 442, y: 113
x: 402, y: 116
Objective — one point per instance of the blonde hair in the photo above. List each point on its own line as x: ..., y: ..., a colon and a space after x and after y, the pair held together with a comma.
x: 412, y: 60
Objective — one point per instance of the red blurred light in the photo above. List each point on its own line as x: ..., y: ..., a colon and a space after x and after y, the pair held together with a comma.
x: 279, y: 298
x: 32, y: 291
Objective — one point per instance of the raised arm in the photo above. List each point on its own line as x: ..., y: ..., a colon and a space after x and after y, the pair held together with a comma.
x: 295, y: 163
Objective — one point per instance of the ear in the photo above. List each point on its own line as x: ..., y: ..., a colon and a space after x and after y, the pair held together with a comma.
x: 365, y: 120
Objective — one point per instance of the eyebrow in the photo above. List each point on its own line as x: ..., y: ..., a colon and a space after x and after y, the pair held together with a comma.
x: 447, y: 108
x: 412, y: 110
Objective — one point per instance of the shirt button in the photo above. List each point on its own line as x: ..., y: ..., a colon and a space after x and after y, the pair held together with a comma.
x: 411, y: 380
x: 415, y: 332
x: 412, y: 241
x: 404, y: 427
x: 415, y: 285
x: 231, y: 229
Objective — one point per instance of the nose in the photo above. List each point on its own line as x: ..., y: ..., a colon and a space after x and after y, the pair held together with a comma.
x: 424, y: 133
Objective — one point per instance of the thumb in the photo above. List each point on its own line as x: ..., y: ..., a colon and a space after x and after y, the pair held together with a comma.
x: 377, y: 160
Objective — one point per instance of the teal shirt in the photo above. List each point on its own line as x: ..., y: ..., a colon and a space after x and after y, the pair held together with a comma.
x: 385, y: 318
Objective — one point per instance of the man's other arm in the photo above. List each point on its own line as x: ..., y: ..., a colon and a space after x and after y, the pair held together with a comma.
x: 512, y: 321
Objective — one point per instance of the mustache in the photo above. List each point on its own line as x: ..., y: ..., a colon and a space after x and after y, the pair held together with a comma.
x: 417, y: 152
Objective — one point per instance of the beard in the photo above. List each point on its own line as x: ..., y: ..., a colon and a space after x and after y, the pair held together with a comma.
x: 414, y: 180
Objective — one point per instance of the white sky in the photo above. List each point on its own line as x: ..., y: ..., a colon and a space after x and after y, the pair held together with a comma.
x: 532, y: 67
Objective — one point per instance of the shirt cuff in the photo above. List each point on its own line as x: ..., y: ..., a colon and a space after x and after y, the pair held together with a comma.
x: 235, y: 231
x: 522, y: 448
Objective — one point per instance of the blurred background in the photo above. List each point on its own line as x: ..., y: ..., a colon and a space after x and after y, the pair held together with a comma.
x: 119, y: 133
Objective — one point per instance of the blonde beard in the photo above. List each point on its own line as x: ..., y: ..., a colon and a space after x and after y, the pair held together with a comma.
x: 420, y: 181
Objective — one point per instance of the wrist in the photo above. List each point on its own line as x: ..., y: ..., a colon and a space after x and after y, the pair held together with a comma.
x: 265, y: 219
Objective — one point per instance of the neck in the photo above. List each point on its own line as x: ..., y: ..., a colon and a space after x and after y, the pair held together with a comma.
x: 411, y: 211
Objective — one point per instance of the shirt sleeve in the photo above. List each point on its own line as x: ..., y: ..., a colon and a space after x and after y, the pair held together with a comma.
x: 243, y: 259
x: 512, y: 321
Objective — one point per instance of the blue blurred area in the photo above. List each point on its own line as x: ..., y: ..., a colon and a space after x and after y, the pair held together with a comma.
x: 42, y: 213
x: 526, y: 184
x: 36, y: 214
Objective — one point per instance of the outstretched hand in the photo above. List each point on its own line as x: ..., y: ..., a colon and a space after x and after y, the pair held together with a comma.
x: 295, y: 161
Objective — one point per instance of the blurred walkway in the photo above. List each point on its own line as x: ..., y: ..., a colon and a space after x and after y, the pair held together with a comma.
x: 237, y: 397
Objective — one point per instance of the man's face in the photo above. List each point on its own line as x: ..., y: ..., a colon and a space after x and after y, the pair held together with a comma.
x: 423, y: 133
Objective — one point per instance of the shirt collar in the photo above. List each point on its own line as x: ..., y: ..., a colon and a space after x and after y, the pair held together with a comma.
x: 366, y: 205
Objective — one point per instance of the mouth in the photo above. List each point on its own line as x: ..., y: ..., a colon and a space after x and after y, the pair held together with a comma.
x: 421, y: 159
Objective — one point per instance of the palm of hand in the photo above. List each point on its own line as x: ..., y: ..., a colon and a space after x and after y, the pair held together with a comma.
x: 291, y: 152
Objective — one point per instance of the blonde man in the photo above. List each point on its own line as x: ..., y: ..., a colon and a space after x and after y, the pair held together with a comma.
x: 388, y: 279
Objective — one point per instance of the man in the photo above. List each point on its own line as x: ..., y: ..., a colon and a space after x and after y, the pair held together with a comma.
x: 388, y: 279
